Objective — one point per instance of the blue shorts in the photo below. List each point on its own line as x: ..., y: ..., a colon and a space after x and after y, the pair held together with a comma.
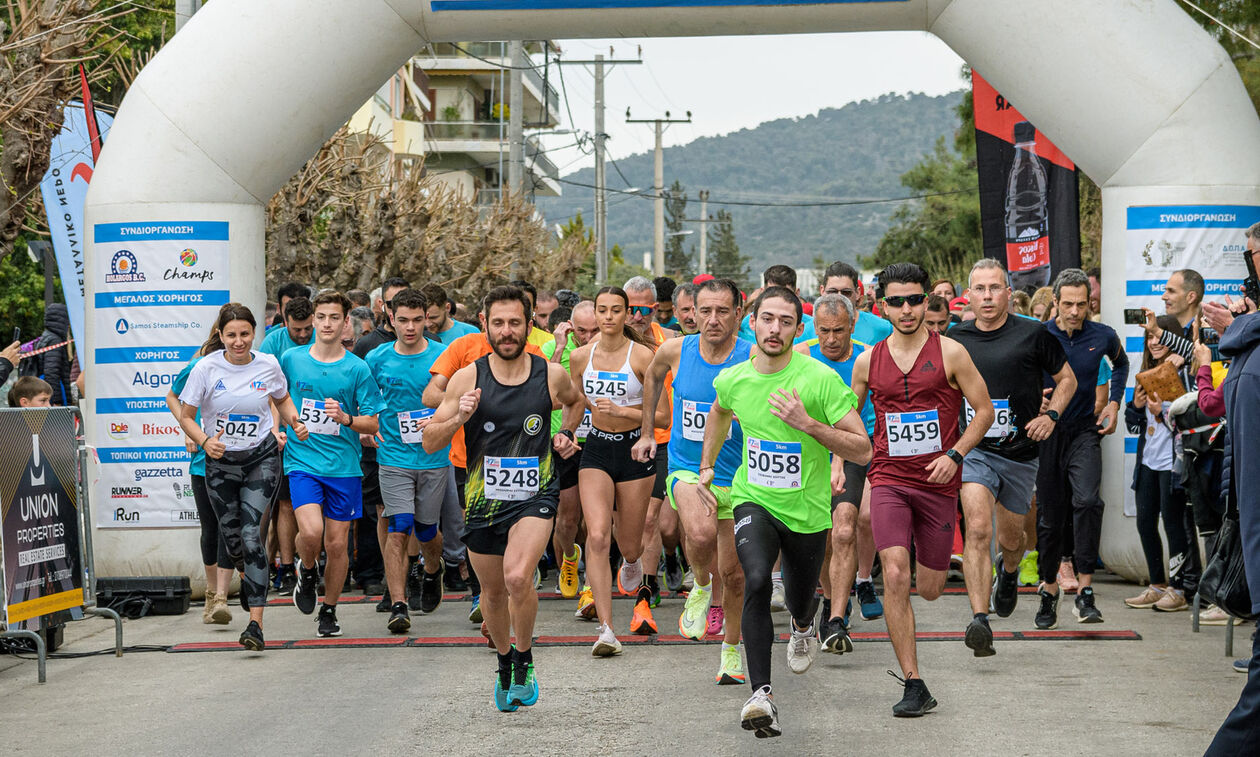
x: 339, y: 498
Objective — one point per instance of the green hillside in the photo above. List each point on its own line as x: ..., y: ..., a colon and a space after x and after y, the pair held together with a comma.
x: 856, y: 152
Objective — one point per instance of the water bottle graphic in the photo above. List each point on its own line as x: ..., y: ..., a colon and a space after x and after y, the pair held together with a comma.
x: 1027, y: 219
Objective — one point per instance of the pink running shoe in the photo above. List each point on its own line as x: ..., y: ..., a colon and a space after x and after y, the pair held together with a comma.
x: 713, y: 624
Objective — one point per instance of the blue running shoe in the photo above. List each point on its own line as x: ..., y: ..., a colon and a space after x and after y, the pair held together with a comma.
x: 501, y: 698
x: 474, y: 615
x: 524, y: 689
x: 872, y: 608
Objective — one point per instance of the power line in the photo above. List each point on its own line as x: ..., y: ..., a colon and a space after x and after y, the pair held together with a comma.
x: 496, y: 64
x: 1223, y: 25
x: 650, y: 195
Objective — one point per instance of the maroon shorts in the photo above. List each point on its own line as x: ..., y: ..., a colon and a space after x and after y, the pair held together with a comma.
x: 902, y: 513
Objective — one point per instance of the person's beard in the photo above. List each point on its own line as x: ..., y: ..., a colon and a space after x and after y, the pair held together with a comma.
x: 505, y: 350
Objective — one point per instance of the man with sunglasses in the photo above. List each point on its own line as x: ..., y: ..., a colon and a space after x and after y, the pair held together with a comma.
x: 843, y: 279
x: 917, y: 381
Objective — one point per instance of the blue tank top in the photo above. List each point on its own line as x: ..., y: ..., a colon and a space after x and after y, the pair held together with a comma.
x: 845, y: 370
x: 693, y: 396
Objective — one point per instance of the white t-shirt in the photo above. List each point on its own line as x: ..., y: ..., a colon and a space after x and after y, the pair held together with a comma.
x: 234, y: 399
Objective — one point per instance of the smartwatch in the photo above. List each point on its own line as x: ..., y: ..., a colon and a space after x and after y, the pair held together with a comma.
x: 1052, y: 415
x: 954, y: 455
x: 568, y: 433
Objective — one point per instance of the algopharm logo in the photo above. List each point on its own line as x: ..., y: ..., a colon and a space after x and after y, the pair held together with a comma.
x: 123, y: 269
x: 533, y: 424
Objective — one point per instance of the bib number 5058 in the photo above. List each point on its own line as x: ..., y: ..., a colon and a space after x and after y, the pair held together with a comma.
x: 774, y: 464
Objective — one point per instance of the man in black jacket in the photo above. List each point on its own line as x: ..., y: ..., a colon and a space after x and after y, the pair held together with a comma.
x: 54, y: 366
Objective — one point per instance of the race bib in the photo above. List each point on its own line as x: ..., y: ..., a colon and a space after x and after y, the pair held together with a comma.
x: 239, y: 430
x: 1003, y: 419
x: 584, y: 428
x: 409, y: 424
x: 511, y: 479
x: 609, y: 385
x: 774, y: 464
x: 915, y: 433
x: 317, y: 421
x: 694, y: 417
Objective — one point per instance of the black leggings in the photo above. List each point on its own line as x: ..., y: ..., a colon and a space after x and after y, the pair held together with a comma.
x: 1155, y: 498
x: 213, y: 547
x: 242, y: 489
x: 759, y: 540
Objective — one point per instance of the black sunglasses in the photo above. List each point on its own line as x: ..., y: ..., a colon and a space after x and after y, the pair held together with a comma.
x: 914, y: 299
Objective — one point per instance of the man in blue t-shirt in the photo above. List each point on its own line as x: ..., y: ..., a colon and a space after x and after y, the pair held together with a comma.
x: 337, y: 399
x: 299, y: 317
x: 843, y: 279
x: 438, y: 316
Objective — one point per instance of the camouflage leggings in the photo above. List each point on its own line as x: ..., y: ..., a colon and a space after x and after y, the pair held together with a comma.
x: 242, y: 487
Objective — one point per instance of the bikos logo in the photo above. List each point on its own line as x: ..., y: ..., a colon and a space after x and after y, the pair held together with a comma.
x: 153, y: 380
x: 123, y: 269
x: 119, y: 430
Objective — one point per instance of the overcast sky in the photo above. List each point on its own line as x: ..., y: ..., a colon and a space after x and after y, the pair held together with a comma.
x: 730, y: 83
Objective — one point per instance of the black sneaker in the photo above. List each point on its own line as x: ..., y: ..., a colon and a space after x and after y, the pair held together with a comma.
x: 252, y: 638
x: 399, y: 618
x: 414, y: 585
x: 386, y: 604
x: 868, y: 600
x: 655, y: 586
x: 328, y: 625
x: 288, y: 581
x: 1005, y: 592
x: 824, y: 615
x: 835, y: 636
x: 304, y: 591
x: 1048, y: 613
x: 374, y: 588
x: 1084, y: 608
x: 916, y: 701
x: 431, y: 590
x: 673, y: 572
x: 453, y: 580
x: 980, y: 637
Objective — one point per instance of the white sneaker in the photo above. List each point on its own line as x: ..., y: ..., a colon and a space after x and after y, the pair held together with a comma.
x: 689, y: 580
x: 629, y: 577
x: 606, y: 645
x: 760, y: 715
x: 778, y: 603
x: 802, y: 649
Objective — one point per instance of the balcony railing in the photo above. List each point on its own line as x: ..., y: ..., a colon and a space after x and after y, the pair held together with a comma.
x: 497, y: 52
x: 437, y: 132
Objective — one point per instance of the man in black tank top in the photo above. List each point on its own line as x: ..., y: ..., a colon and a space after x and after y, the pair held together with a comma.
x: 504, y: 403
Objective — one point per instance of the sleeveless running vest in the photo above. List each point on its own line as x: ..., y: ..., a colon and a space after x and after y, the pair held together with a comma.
x: 916, y: 417
x: 508, y: 439
x: 621, y: 387
x: 693, y: 396
x: 845, y: 370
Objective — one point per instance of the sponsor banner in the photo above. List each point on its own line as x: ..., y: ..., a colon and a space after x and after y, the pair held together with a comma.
x: 39, y: 498
x: 64, y: 188
x: 1160, y: 240
x: 548, y: 5
x: 158, y: 290
x: 1028, y: 193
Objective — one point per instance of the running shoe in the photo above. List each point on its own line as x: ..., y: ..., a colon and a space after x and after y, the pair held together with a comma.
x: 778, y: 601
x: 568, y: 585
x: 802, y: 648
x: 1084, y: 608
x: 474, y: 614
x: 731, y: 670
x: 431, y: 590
x: 1029, y: 575
x: 715, y: 621
x: 1147, y: 599
x: 1005, y: 592
x: 1241, y: 665
x: 455, y: 583
x: 252, y: 637
x: 304, y: 592
x: 1215, y: 616
x: 673, y: 572
x: 502, y: 685
x: 399, y: 618
x: 537, y: 578
x: 834, y: 635
x: 916, y: 701
x: 208, y: 608
x: 689, y: 580
x: 693, y: 622
x: 219, y: 612
x: 1174, y: 600
x: 286, y: 581
x: 868, y: 601
x: 1067, y: 577
x: 415, y: 586
x: 524, y: 691
x: 586, y: 605
x: 629, y: 577
x: 760, y: 715
x: 979, y: 638
x: 386, y: 604
x: 654, y: 584
x: 606, y: 645
x: 642, y: 622
x: 1048, y: 612
x: 955, y: 572
x: 328, y: 625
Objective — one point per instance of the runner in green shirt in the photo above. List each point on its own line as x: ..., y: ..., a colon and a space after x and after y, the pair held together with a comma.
x: 794, y: 412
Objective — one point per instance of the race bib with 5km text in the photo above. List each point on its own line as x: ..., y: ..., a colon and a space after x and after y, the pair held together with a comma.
x: 316, y: 419
x: 511, y: 479
x: 913, y: 433
x: 409, y: 426
x: 774, y: 464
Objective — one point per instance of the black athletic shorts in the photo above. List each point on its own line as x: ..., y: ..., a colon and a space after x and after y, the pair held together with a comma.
x: 662, y: 470
x: 493, y: 539
x: 461, y: 478
x: 610, y: 453
x: 567, y: 470
x: 371, y: 485
x: 854, y: 483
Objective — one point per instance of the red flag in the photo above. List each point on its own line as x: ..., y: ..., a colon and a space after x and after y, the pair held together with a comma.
x: 89, y: 112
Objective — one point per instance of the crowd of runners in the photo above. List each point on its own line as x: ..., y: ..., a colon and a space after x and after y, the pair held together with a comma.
x: 752, y: 451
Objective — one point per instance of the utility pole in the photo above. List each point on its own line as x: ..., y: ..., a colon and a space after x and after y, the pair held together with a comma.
x: 704, y: 231
x: 658, y: 186
x: 601, y: 183
x: 184, y: 10
x: 516, y: 119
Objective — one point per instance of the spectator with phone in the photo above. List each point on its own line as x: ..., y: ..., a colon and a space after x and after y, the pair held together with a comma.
x: 53, y: 366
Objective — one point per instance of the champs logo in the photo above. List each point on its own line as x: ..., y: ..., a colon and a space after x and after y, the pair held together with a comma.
x: 119, y: 430
x: 123, y: 269
x: 533, y: 424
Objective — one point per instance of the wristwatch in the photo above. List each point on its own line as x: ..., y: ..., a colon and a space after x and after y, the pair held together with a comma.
x: 1052, y: 415
x: 568, y: 433
x: 954, y: 455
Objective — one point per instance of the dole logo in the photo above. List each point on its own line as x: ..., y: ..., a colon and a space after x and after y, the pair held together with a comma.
x: 119, y: 430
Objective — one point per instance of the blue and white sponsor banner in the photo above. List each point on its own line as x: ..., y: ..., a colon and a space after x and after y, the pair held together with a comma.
x: 1163, y: 239
x: 64, y: 188
x: 159, y: 288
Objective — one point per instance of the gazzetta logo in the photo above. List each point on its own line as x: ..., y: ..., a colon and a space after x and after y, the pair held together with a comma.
x: 169, y: 472
x: 123, y: 269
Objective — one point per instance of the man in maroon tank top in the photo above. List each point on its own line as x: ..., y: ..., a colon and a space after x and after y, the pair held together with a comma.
x: 917, y: 380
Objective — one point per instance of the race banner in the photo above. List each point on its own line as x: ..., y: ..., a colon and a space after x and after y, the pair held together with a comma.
x: 1163, y: 239
x: 159, y: 288
x: 1029, y: 212
x: 39, y: 505
x: 64, y: 188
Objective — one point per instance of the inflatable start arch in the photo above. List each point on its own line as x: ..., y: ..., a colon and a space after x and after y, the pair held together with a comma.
x: 1138, y: 95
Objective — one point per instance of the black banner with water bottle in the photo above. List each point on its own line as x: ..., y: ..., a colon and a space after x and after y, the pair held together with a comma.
x: 1029, y: 207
